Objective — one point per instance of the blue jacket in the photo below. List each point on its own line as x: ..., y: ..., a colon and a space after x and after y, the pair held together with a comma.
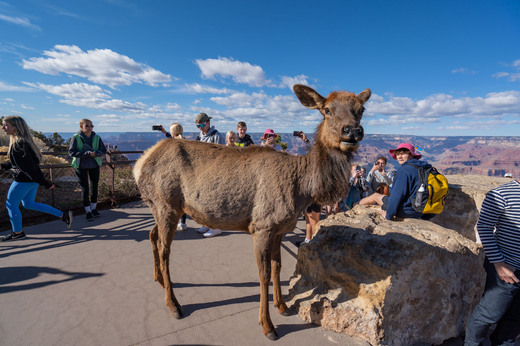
x: 405, y: 185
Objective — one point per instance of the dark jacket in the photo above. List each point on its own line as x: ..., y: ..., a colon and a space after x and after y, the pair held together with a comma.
x: 243, y: 142
x: 405, y: 185
x: 86, y: 161
x: 24, y: 159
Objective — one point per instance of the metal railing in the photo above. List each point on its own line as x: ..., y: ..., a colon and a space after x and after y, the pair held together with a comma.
x: 116, y: 186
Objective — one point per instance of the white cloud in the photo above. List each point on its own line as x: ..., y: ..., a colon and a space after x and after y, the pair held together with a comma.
x: 240, y: 72
x: 200, y: 89
x: 463, y: 70
x: 8, y: 87
x: 102, y: 66
x: 25, y: 22
x: 290, y: 81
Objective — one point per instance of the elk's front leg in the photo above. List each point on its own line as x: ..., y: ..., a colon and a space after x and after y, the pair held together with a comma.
x: 263, y: 241
x: 276, y: 266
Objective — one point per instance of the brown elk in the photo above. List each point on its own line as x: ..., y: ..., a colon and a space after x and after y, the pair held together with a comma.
x: 230, y: 188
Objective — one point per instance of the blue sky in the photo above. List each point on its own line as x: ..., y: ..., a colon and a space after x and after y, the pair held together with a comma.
x: 434, y: 67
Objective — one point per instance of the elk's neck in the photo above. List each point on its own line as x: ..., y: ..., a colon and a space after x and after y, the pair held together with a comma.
x: 325, y: 174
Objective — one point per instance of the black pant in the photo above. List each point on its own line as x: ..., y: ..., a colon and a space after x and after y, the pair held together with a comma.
x: 84, y: 175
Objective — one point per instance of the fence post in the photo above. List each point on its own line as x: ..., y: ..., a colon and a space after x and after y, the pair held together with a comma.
x: 52, y: 191
x: 111, y: 179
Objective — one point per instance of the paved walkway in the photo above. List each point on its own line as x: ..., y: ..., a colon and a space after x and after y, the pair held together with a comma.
x: 93, y: 285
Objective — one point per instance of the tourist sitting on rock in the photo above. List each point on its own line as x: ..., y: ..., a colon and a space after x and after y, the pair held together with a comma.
x: 405, y: 185
x: 358, y: 185
x: 378, y: 178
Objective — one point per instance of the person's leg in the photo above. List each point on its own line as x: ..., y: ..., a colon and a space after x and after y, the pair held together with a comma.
x: 16, y: 192
x: 94, y: 183
x: 314, y: 218
x: 495, y: 302
x: 508, y: 328
x: 373, y: 199
x: 82, y: 175
x: 29, y: 202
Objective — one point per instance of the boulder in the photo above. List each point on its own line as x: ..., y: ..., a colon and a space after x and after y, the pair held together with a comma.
x: 466, y: 193
x: 388, y: 282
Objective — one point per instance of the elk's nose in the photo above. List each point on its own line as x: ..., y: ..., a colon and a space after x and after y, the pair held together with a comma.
x: 354, y: 133
x: 359, y: 133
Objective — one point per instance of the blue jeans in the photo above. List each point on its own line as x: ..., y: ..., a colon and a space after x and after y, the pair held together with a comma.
x: 25, y: 193
x: 500, y: 305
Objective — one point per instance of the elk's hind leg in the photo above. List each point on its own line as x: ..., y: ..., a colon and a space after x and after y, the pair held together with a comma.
x: 263, y: 241
x: 276, y: 265
x: 166, y: 226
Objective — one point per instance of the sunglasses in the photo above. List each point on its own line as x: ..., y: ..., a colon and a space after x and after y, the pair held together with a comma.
x: 87, y: 125
x: 270, y: 135
x: 201, y: 125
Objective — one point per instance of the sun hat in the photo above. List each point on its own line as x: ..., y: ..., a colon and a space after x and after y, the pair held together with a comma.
x: 202, y: 118
x: 407, y: 146
x: 268, y: 132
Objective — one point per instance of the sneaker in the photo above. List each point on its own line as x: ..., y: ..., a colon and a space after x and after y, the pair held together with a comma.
x: 96, y: 213
x: 203, y: 229
x: 14, y: 236
x: 298, y: 243
x: 212, y: 233
x: 89, y: 216
x: 67, y: 218
x: 181, y: 226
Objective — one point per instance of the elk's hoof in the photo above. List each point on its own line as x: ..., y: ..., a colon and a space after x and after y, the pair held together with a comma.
x: 287, y: 312
x: 178, y: 314
x: 272, y: 335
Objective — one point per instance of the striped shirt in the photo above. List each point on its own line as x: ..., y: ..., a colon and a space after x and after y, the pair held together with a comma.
x: 499, y: 224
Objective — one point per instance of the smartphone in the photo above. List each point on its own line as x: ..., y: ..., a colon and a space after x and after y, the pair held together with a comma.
x: 358, y: 168
x: 297, y: 133
x: 156, y: 127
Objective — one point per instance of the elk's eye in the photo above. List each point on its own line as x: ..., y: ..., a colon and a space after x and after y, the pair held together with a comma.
x: 327, y: 111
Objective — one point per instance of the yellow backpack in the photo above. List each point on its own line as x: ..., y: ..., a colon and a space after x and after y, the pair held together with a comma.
x: 431, y: 192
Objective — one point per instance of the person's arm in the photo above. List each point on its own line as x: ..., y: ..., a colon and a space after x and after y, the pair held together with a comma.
x: 492, y: 207
x: 74, y: 151
x: 6, y: 165
x: 370, y: 176
x: 102, y: 150
x: 27, y: 161
x: 398, y: 195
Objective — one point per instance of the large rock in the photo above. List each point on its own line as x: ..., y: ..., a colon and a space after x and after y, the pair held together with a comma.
x: 389, y: 282
x: 466, y: 193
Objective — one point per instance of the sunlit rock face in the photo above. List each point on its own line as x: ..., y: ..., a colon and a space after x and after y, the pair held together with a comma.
x: 395, y: 282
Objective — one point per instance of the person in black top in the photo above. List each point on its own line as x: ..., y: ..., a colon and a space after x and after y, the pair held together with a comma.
x: 24, y: 157
x: 243, y: 139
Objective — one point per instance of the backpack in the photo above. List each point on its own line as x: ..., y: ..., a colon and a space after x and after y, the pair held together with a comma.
x: 433, y: 189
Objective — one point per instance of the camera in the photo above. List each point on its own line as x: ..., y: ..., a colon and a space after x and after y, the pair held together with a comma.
x: 297, y: 133
x: 156, y: 127
x: 358, y: 168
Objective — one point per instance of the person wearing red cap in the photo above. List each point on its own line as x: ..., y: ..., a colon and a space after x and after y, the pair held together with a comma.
x: 404, y: 187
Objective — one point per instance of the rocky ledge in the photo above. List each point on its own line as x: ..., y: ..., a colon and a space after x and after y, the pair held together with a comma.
x: 395, y: 282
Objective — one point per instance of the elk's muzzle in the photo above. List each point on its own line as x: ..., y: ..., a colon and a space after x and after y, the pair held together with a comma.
x: 351, y: 137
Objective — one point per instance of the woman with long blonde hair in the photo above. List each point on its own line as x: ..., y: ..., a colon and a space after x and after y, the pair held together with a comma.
x: 25, y: 156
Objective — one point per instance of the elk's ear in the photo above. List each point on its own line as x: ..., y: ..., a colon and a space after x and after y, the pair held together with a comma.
x: 308, y: 97
x: 364, y: 96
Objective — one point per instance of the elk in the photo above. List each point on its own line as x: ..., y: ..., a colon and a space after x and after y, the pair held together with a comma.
x: 230, y: 188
